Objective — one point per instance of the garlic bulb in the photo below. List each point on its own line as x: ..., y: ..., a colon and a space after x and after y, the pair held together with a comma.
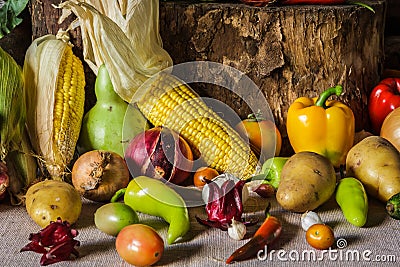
x: 237, y: 230
x: 308, y: 219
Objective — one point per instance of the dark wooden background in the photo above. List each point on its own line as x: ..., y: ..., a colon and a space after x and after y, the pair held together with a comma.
x: 199, y: 32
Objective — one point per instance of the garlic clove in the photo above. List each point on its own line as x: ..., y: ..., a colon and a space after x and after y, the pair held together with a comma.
x: 237, y: 230
x: 309, y: 218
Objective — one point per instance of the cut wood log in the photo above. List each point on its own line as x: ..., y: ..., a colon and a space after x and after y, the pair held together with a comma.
x: 288, y: 51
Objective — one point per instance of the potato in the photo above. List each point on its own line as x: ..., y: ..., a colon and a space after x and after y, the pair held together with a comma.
x: 50, y: 199
x: 307, y: 181
x: 376, y: 163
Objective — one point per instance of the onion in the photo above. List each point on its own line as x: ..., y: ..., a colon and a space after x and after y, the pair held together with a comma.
x: 98, y: 174
x: 160, y: 153
x: 391, y: 128
x: 4, y: 180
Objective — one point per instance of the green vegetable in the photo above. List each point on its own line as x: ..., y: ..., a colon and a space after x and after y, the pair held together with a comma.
x: 153, y: 197
x: 393, y: 206
x: 272, y: 168
x: 9, y: 11
x: 105, y: 123
x: 22, y: 170
x: 352, y: 199
x: 12, y: 104
x: 112, y: 217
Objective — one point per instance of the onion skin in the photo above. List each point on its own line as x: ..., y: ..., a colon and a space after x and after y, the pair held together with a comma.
x: 98, y: 174
x: 160, y: 153
x: 4, y: 180
x: 390, y: 129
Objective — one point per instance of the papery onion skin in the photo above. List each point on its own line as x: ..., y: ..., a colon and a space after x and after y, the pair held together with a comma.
x: 98, y: 174
x: 390, y: 129
x: 160, y: 153
x: 4, y: 180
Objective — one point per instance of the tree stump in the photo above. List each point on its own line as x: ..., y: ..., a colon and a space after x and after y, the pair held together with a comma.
x: 288, y: 51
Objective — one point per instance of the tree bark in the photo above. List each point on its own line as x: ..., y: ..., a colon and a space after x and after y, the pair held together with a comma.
x: 288, y: 51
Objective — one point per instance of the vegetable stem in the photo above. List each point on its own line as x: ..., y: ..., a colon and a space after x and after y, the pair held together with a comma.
x: 118, y: 195
x: 321, y: 101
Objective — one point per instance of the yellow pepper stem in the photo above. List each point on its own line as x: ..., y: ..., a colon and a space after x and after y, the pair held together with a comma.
x: 321, y: 101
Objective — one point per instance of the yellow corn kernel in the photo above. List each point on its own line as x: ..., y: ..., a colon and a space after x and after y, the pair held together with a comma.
x: 171, y: 104
x: 69, y: 105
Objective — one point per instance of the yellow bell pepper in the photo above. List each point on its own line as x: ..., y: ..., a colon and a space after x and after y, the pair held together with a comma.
x: 321, y: 126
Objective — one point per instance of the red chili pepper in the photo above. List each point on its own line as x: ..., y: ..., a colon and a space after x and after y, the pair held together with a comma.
x: 268, y: 232
x: 384, y: 98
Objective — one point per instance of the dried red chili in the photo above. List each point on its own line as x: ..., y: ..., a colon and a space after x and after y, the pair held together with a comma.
x: 56, y: 242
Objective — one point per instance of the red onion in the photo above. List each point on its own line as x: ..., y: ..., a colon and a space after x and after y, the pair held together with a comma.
x: 160, y: 153
x: 4, y: 180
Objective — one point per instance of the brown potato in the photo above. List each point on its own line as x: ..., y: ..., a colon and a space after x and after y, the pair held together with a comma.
x: 376, y: 163
x: 307, y: 181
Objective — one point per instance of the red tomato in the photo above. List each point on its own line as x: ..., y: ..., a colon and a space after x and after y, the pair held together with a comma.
x: 139, y: 245
x: 263, y: 135
x: 202, y: 174
x: 320, y: 236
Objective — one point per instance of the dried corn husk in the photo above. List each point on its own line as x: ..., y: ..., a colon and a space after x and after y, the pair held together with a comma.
x: 124, y: 35
x: 41, y: 68
x: 22, y: 170
x: 12, y: 104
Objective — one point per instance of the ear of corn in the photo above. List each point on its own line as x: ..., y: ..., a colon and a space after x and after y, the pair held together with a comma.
x: 170, y: 103
x: 55, y: 101
x: 12, y: 104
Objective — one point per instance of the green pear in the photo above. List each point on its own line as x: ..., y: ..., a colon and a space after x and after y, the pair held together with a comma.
x: 111, y: 123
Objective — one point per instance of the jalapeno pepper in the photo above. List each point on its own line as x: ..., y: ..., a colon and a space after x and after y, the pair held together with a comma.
x: 153, y: 197
x: 268, y: 232
x: 353, y: 201
x: 321, y: 126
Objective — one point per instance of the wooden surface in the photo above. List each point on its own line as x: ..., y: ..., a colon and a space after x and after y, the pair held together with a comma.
x: 287, y: 51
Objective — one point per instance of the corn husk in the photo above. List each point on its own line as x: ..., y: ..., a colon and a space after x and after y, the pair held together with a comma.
x: 41, y: 66
x: 22, y: 170
x: 12, y: 104
x: 124, y: 35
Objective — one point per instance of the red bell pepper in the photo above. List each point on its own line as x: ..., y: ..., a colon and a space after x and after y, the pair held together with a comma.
x: 384, y: 98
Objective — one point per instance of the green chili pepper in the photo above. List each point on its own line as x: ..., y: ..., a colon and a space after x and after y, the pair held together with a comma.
x: 353, y: 201
x: 151, y: 196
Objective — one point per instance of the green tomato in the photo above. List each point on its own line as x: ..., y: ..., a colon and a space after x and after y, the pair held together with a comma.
x: 112, y: 217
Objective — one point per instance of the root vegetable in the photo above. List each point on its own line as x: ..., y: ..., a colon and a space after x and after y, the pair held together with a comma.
x: 307, y: 181
x: 160, y: 153
x: 48, y: 200
x: 376, y: 163
x: 98, y: 174
x: 4, y: 180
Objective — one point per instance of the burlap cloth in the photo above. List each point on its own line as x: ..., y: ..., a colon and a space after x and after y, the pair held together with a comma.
x: 375, y: 244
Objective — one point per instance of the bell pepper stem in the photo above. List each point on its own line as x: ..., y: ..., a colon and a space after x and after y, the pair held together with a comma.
x: 256, y: 117
x: 118, y: 195
x: 321, y: 101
